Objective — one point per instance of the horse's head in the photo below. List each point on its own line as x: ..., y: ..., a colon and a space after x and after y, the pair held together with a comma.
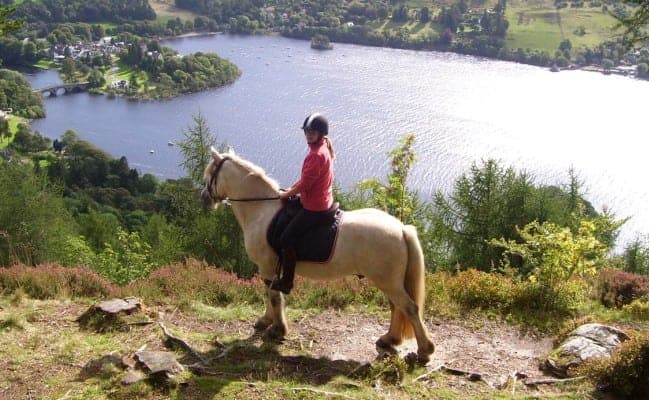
x: 210, y: 194
x: 238, y: 179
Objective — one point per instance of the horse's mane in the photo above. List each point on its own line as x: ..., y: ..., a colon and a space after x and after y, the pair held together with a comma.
x: 254, y: 170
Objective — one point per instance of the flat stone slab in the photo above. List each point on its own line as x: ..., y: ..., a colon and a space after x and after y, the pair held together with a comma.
x: 115, y: 306
x: 159, y: 361
x: 584, y: 343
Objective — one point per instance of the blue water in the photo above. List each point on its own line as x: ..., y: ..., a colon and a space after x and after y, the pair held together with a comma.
x: 461, y: 109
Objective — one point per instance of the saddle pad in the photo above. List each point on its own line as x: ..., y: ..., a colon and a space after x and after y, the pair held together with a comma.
x: 316, y: 245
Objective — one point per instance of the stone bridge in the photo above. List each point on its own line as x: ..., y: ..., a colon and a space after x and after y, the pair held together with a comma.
x: 67, y: 88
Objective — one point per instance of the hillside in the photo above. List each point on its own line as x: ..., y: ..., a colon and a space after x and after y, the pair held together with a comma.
x: 48, y: 356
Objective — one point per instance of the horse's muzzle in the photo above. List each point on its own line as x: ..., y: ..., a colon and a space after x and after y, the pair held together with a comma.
x: 208, y: 202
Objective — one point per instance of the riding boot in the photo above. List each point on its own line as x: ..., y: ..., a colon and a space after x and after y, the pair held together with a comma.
x: 285, y: 283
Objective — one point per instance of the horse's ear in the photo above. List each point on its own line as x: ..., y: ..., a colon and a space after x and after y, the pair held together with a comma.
x: 215, y: 154
x: 230, y: 151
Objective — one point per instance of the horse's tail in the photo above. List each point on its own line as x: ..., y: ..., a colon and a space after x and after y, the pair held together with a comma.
x: 414, y: 281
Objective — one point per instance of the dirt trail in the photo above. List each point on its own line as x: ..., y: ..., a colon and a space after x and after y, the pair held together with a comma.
x: 493, y: 349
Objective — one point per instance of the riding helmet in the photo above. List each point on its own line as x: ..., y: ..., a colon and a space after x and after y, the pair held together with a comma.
x: 316, y: 122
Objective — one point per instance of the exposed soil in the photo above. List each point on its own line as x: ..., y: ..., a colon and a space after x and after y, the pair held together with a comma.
x: 492, y: 349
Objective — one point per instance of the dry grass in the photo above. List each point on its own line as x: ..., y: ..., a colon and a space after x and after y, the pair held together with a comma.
x: 165, y: 10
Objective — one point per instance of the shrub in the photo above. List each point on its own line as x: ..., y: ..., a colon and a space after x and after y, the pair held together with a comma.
x: 638, y: 309
x: 555, y: 255
x: 561, y: 299
x: 617, y: 288
x: 196, y: 281
x: 479, y: 289
x: 337, y: 294
x: 54, y: 281
x: 128, y: 261
x: 625, y: 373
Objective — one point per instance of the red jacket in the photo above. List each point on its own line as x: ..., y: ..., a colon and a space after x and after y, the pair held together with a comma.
x: 316, y: 181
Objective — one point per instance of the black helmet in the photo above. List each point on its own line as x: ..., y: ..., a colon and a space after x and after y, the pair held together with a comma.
x: 316, y: 122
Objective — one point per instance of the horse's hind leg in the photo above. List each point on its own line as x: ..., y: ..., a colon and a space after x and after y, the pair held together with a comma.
x: 405, y: 304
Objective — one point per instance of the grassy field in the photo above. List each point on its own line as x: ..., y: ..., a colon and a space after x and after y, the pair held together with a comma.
x: 539, y: 25
x: 47, y: 355
x: 166, y: 10
x: 415, y: 28
x: 328, y: 353
x: 13, y: 127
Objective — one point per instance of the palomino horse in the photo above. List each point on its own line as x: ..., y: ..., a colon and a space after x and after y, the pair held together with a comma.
x: 371, y: 243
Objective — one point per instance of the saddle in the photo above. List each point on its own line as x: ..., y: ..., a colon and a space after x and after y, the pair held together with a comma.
x: 317, y: 244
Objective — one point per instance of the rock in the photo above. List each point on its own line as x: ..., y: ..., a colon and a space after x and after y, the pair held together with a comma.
x: 105, y: 316
x: 115, y: 306
x: 159, y: 361
x: 586, y: 342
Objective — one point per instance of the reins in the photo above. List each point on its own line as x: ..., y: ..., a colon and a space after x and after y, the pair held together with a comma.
x: 212, y: 185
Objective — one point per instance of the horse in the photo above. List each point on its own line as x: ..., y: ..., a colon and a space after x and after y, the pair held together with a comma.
x: 371, y: 243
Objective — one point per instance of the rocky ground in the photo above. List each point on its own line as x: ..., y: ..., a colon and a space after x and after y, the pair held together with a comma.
x: 46, y: 354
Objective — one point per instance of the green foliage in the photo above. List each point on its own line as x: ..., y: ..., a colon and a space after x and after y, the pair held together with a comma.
x: 167, y: 241
x: 16, y: 93
x: 625, y: 373
x: 490, y: 202
x: 636, y: 256
x: 195, y: 148
x: 6, y: 24
x: 394, y: 197
x: 638, y: 309
x: 34, y: 224
x: 337, y: 295
x: 391, y: 370
x: 477, y: 289
x: 49, y: 11
x: 486, y: 203
x: 76, y: 252
x: 217, y: 238
x: 128, y: 260
x: 554, y: 255
x: 25, y: 141
x: 635, y: 25
x: 320, y: 42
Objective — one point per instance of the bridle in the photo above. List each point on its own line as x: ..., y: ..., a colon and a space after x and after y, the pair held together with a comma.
x: 211, y: 186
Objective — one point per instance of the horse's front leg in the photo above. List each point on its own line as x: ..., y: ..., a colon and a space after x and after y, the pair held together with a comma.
x: 267, y: 319
x: 275, y: 302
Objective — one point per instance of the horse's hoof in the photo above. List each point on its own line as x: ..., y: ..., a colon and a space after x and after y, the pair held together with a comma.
x: 423, y: 355
x: 422, y: 359
x: 261, y: 324
x: 276, y: 332
x: 385, y: 349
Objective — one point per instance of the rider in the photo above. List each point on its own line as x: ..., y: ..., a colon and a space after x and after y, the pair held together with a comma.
x: 315, y: 187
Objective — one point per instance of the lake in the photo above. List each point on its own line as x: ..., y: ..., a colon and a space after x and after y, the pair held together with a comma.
x: 462, y: 110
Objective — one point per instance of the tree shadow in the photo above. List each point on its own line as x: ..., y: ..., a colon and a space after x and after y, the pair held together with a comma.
x: 258, y: 359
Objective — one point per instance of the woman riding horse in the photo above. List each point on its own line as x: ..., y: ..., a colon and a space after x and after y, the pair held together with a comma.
x: 370, y: 242
x: 315, y: 187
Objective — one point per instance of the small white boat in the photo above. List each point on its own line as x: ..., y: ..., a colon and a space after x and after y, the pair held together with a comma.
x: 151, y: 151
x: 170, y: 143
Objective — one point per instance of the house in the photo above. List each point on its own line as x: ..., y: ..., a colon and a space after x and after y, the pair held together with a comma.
x: 4, y: 114
x: 122, y: 84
